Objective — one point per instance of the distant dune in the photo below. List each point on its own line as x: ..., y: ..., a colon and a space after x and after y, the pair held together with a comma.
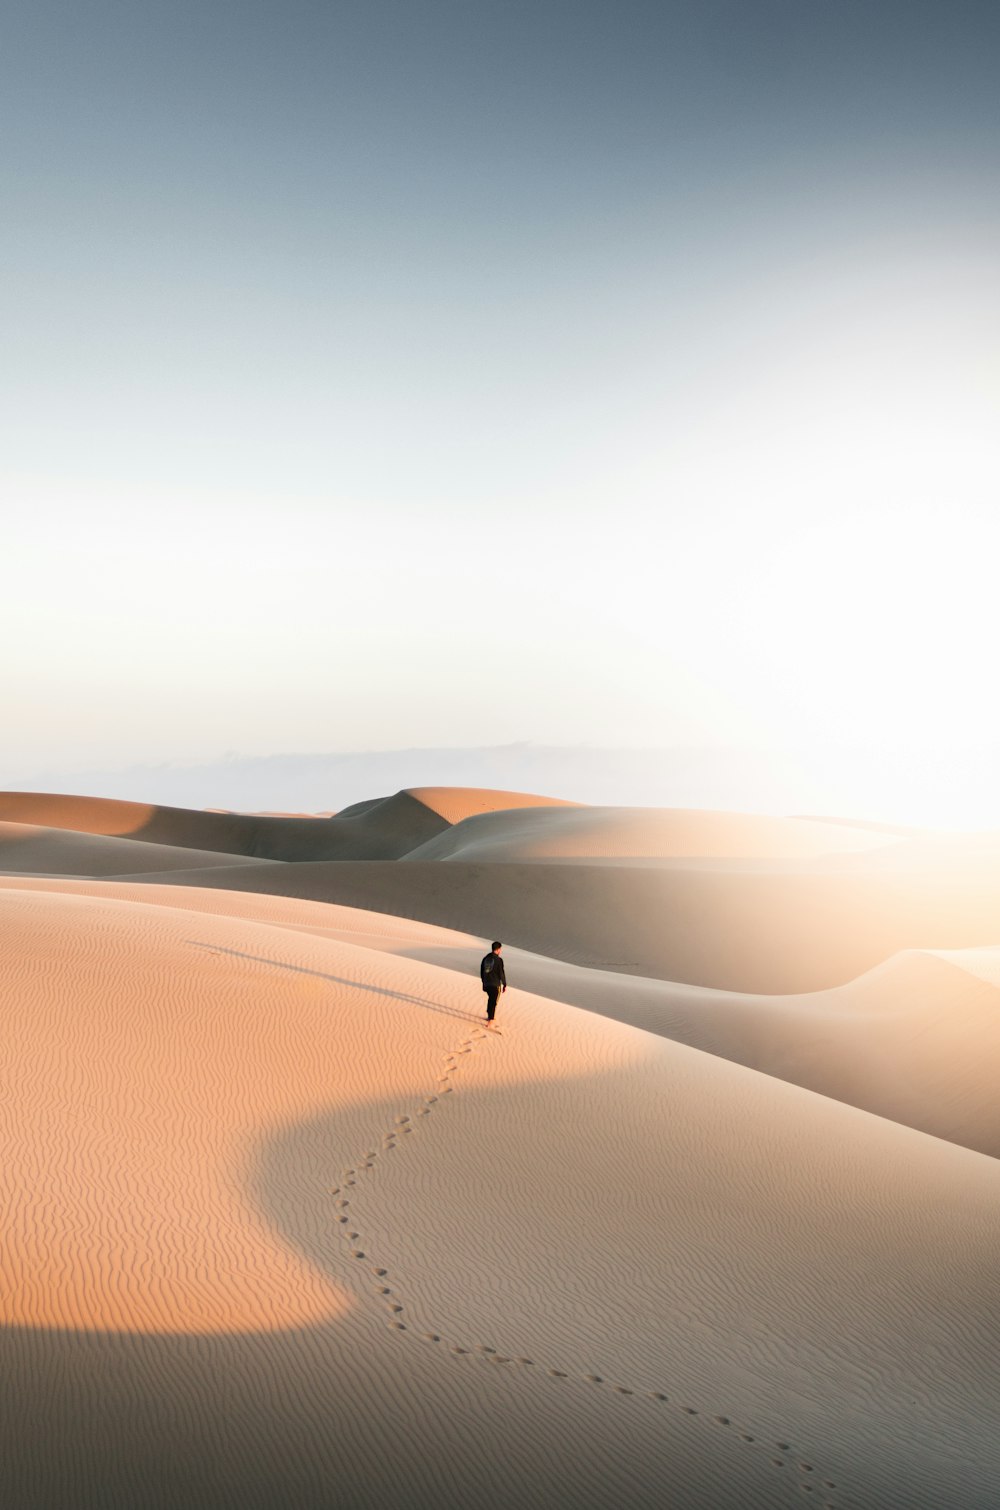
x: 384, y: 828
x: 29, y: 849
x: 285, y: 1224
x: 583, y: 833
x: 456, y: 804
x: 728, y: 901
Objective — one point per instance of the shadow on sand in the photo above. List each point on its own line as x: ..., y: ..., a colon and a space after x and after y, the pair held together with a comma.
x: 342, y: 980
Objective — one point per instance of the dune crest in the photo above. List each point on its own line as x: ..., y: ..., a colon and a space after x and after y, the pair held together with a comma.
x: 456, y: 803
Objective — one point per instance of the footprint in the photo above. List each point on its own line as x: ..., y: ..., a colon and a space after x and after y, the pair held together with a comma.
x: 690, y: 1411
x: 381, y: 1273
x: 398, y: 1326
x: 343, y: 1204
x: 722, y: 1420
x: 459, y: 1350
x: 395, y: 1309
x: 594, y: 1378
x: 430, y: 1336
x: 528, y: 1362
x: 557, y: 1373
x: 402, y: 1121
x: 621, y: 1390
x: 342, y: 1219
x: 655, y: 1395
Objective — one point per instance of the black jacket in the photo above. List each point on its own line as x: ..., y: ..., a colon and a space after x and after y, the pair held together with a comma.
x: 496, y: 976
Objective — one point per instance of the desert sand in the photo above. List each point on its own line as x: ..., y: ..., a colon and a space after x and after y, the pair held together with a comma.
x: 711, y: 1220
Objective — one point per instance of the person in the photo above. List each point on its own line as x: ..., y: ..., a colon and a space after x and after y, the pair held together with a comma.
x: 491, y: 973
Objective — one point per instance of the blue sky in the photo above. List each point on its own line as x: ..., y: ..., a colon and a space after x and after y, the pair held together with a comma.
x: 639, y: 360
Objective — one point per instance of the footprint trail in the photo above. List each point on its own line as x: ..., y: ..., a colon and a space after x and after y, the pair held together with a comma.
x: 783, y: 1456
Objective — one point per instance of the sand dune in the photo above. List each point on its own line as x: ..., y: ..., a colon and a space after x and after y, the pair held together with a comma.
x: 620, y: 832
x: 285, y: 1224
x: 766, y: 927
x: 322, y: 1240
x: 916, y: 1040
x: 26, y: 848
x: 727, y: 901
x: 384, y: 828
x: 456, y: 803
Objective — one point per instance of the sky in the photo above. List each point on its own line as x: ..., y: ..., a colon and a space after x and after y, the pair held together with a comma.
x: 389, y: 376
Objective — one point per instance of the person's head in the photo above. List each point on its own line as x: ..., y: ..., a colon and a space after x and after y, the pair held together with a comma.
x: 496, y: 946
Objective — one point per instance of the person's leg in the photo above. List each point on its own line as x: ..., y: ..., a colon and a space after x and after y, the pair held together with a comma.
x: 491, y: 1004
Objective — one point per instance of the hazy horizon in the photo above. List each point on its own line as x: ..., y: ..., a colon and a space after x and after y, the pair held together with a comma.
x: 873, y: 787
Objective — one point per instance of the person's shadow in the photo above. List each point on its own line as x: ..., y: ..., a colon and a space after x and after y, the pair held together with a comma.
x: 341, y: 980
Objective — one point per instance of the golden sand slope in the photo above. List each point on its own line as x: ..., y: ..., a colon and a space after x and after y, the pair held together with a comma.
x: 577, y: 833
x: 286, y: 1226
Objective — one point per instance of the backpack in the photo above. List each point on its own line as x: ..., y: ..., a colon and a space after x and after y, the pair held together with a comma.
x: 486, y: 970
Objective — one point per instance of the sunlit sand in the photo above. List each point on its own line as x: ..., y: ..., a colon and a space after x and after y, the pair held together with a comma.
x: 711, y: 1220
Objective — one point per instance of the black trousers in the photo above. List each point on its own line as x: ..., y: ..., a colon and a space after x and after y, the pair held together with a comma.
x: 491, y: 1003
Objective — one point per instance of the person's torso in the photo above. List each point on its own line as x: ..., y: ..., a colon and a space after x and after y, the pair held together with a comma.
x: 491, y: 970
